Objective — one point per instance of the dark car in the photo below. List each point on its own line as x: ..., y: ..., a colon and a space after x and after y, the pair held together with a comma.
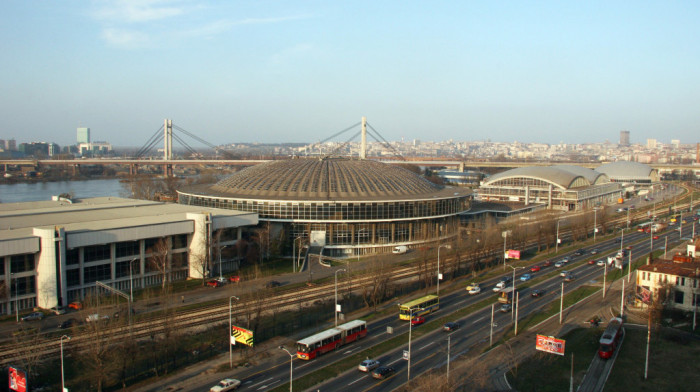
x: 383, y: 372
x: 536, y: 293
x: 451, y: 326
x: 505, y: 308
x: 272, y: 284
x: 579, y: 252
x: 68, y: 323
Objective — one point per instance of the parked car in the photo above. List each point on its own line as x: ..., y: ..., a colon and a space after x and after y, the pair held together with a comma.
x: 221, y: 280
x: 75, y: 305
x: 536, y: 293
x: 95, y: 317
x: 214, y: 283
x: 227, y: 384
x: 505, y: 308
x: 368, y: 365
x: 68, y: 323
x: 535, y: 268
x: 451, y: 326
x: 234, y: 279
x: 526, y: 277
x: 272, y: 284
x: 418, y: 320
x: 33, y: 316
x: 383, y: 372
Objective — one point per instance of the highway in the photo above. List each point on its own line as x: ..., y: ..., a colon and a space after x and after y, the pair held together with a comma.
x: 429, y: 351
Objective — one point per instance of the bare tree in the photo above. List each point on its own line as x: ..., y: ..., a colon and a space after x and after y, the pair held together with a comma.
x: 160, y: 260
x: 27, y: 342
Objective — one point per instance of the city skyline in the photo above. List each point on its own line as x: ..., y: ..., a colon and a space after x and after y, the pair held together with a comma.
x: 300, y: 71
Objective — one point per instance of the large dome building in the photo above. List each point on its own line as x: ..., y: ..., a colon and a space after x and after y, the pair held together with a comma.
x: 629, y: 172
x: 347, y: 206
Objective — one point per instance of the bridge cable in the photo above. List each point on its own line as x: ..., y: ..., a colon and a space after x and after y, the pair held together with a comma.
x: 223, y: 151
x: 386, y: 143
x: 345, y: 144
x: 310, y: 146
x: 150, y: 143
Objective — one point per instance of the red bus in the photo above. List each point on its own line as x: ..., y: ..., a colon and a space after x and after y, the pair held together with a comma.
x: 610, y: 338
x: 331, y: 339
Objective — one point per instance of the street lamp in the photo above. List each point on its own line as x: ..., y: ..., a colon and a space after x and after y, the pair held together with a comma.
x: 556, y: 246
x: 230, y: 328
x: 63, y: 384
x: 336, y: 295
x: 505, y: 234
x: 595, y: 223
x: 514, y: 268
x: 295, y: 259
x: 291, y: 358
x: 439, y: 276
x: 16, y: 296
x: 220, y: 270
x: 410, y: 328
x: 131, y: 288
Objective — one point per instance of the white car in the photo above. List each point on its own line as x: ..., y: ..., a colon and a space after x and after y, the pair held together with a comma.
x: 227, y: 384
x: 559, y: 264
x: 563, y: 273
x: 600, y: 263
x: 475, y: 290
x: 368, y: 365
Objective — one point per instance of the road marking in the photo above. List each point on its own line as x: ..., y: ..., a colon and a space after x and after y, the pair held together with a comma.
x: 356, y: 380
x: 477, y: 320
x: 306, y: 364
x: 393, y: 362
x: 255, y: 385
x: 265, y: 386
x: 426, y: 345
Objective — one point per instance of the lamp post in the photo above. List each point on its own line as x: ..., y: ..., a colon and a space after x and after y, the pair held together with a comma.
x: 595, y: 223
x: 410, y: 328
x: 622, y: 239
x: 16, y: 297
x: 491, y: 333
x: 556, y: 246
x: 295, y: 259
x: 220, y: 270
x: 439, y: 276
x: 63, y: 384
x: 291, y: 364
x: 514, y: 268
x: 230, y: 328
x: 131, y: 288
x: 336, y: 294
x: 505, y: 235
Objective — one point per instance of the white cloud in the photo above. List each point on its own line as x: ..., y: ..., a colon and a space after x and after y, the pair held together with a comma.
x: 125, y: 38
x: 222, y: 26
x: 138, y: 11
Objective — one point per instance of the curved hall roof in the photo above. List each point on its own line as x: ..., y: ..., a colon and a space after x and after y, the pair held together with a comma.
x: 564, y: 176
x: 626, y: 169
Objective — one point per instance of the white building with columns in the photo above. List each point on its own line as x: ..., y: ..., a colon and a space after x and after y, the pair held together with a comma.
x: 53, y: 252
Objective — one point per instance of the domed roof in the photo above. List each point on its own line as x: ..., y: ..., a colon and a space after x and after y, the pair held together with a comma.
x: 563, y: 176
x: 326, y: 179
x: 626, y: 169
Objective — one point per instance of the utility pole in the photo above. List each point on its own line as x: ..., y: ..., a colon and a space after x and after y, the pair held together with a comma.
x: 517, y: 304
x: 561, y: 304
x: 491, y: 334
x: 622, y: 299
x: 605, y: 275
x: 448, y: 359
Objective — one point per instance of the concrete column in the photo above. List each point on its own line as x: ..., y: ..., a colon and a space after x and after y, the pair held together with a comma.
x: 363, y: 144
x: 47, y: 278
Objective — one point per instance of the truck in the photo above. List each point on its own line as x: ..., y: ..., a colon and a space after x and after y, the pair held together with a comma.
x: 506, y: 296
x: 400, y: 249
x: 657, y: 227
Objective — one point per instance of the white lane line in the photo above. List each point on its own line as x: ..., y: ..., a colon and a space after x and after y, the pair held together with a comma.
x: 268, y: 385
x: 426, y: 345
x: 359, y: 379
x: 255, y: 385
x: 301, y: 366
x: 477, y: 320
x: 393, y: 362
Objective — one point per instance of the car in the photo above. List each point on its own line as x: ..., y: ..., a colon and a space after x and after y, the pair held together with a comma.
x: 559, y: 264
x: 505, y: 279
x: 563, y: 273
x: 600, y: 263
x: 656, y: 237
x: 214, y: 283
x: 368, y: 365
x: 591, y: 261
x: 569, y: 277
x: 234, y: 279
x: 272, y: 284
x: 620, y: 210
x: 472, y: 285
x: 75, y: 305
x: 536, y: 293
x: 499, y: 286
x: 594, y: 251
x: 632, y: 207
x: 579, y: 252
x: 33, y: 316
x: 566, y: 259
x: 58, y: 310
x: 475, y: 290
x: 525, y: 277
x: 68, y: 323
x: 505, y: 308
x: 547, y: 263
x: 641, y: 230
x: 418, y: 320
x: 227, y: 384
x: 221, y: 280
x: 383, y: 372
x: 535, y: 268
x: 451, y: 326
x: 95, y: 317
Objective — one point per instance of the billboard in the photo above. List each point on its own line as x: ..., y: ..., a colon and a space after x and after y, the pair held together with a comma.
x: 241, y: 335
x: 513, y: 254
x: 18, y: 379
x: 550, y: 344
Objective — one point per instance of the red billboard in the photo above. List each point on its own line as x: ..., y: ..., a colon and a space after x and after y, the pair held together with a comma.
x: 550, y: 344
x: 18, y: 380
x: 513, y: 254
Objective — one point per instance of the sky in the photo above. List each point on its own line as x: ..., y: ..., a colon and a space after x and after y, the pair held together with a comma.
x: 300, y: 71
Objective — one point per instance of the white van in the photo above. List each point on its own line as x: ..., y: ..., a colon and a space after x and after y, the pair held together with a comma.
x: 399, y: 250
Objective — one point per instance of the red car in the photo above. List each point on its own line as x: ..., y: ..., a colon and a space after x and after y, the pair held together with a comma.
x: 75, y: 305
x: 234, y: 279
x: 656, y: 237
x: 418, y: 320
x: 214, y: 283
x: 591, y: 262
x: 535, y: 268
x: 547, y: 263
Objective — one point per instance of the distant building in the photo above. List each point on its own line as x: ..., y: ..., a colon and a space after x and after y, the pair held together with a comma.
x: 95, y: 148
x: 651, y: 143
x: 676, y: 143
x: 462, y: 178
x: 83, y: 135
x: 39, y: 149
x: 681, y: 280
x: 624, y: 138
x: 629, y: 172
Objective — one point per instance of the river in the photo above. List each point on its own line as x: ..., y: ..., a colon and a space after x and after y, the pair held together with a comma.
x: 38, y: 191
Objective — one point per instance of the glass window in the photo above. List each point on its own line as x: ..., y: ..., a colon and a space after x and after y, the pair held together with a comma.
x: 180, y: 241
x: 73, y: 277
x: 678, y: 297
x: 24, y: 285
x: 179, y: 260
x: 127, y: 248
x: 21, y: 263
x: 97, y: 272
x: 73, y: 256
x: 96, y: 252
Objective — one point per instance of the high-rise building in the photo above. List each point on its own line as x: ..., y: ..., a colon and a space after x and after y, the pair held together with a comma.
x: 83, y: 135
x: 11, y: 145
x: 624, y: 138
x: 676, y: 143
x: 651, y: 143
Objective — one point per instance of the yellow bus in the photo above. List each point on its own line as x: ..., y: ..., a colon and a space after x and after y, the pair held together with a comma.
x: 427, y: 304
